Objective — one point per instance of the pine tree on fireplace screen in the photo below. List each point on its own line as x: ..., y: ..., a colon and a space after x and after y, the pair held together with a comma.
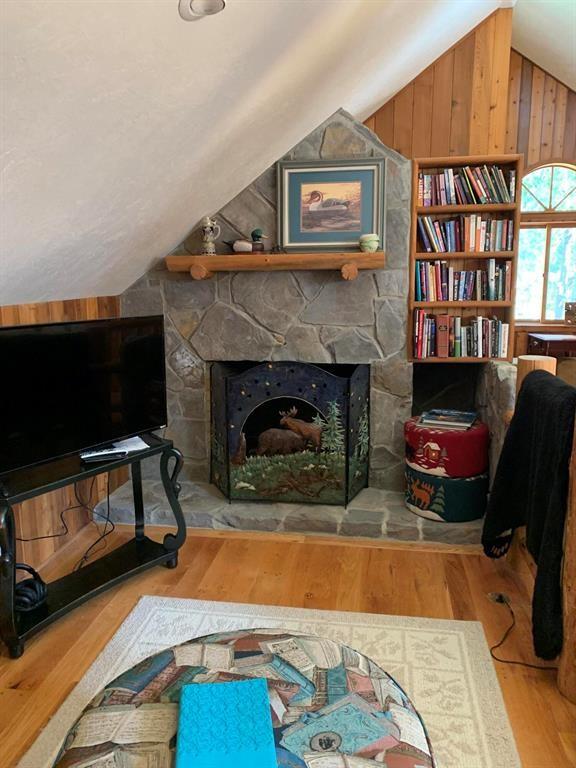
x: 290, y: 431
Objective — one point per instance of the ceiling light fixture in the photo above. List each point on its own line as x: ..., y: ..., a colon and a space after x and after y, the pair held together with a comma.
x: 192, y: 10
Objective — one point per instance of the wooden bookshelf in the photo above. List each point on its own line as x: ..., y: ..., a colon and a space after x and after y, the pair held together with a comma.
x: 464, y: 260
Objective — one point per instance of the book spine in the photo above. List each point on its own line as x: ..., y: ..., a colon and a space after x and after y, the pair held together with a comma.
x: 424, y: 236
x: 431, y: 233
x: 427, y: 190
x: 457, y: 337
x: 510, y: 235
x: 439, y: 237
x: 505, y: 334
x: 479, y: 325
x: 442, y: 335
x: 292, y: 675
x: 491, y: 279
x: 438, y: 281
x: 451, y: 186
x: 444, y: 278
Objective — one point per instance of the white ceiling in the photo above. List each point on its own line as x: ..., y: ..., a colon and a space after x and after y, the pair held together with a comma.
x: 545, y: 32
x: 123, y: 125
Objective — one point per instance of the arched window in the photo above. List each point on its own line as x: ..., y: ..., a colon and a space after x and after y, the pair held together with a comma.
x: 547, y: 250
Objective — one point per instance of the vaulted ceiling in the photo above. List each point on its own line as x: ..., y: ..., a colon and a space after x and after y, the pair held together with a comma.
x: 545, y: 32
x: 123, y: 125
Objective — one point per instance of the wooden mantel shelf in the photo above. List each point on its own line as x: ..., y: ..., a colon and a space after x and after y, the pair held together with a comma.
x: 202, y: 267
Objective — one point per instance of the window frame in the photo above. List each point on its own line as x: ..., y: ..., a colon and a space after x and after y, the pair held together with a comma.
x: 547, y: 220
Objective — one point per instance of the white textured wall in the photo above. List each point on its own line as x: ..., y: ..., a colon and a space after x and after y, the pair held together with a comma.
x: 545, y: 32
x: 123, y: 124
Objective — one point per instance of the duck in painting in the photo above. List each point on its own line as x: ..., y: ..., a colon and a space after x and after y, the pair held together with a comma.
x: 316, y: 202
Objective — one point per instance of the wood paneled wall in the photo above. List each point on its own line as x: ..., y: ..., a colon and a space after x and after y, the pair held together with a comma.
x: 458, y: 105
x: 482, y: 97
x: 541, y: 118
x: 41, y: 516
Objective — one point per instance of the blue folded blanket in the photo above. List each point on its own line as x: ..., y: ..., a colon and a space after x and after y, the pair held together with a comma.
x: 220, y: 721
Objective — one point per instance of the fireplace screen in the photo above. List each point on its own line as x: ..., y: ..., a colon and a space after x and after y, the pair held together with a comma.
x: 290, y: 431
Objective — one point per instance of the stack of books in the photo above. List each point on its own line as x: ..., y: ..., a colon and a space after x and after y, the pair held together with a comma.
x: 436, y: 281
x: 445, y: 336
x: 465, y: 233
x: 467, y: 185
x: 447, y: 419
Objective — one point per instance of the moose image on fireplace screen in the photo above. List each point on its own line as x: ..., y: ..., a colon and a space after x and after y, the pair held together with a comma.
x: 290, y: 431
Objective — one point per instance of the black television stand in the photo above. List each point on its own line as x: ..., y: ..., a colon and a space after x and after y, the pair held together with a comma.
x: 75, y: 588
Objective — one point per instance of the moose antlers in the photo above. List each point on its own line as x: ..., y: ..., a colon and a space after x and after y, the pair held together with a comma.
x: 292, y: 412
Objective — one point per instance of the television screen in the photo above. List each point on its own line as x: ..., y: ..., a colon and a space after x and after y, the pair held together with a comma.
x: 71, y: 386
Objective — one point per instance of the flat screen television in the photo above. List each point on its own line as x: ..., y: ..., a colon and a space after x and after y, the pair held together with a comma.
x: 67, y: 387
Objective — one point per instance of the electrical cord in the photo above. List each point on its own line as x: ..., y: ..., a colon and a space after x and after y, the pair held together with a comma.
x: 503, y: 599
x: 66, y: 531
x: 52, y: 535
x: 102, y: 534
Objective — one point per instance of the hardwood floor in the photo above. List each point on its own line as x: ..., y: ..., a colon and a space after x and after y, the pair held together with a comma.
x: 309, y: 572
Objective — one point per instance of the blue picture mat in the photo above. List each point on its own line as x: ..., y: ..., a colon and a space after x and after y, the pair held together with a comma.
x: 368, y: 214
x: 225, y: 724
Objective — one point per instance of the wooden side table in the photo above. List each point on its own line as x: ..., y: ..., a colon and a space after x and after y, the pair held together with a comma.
x: 552, y: 344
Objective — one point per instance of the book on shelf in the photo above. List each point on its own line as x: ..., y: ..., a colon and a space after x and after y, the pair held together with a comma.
x: 473, y: 232
x: 467, y: 185
x: 448, y: 419
x: 445, y: 336
x: 438, y: 281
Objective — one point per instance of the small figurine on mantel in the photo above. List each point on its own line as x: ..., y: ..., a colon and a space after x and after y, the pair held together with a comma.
x: 256, y: 245
x: 210, y: 233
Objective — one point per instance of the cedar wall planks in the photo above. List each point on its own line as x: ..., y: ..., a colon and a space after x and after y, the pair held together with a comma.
x: 482, y: 97
x: 41, y: 516
x: 541, y: 117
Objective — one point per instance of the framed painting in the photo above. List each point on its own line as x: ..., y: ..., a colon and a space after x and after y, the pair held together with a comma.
x: 327, y: 205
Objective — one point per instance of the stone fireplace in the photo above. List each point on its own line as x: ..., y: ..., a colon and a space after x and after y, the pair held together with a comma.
x: 291, y: 317
x: 301, y: 316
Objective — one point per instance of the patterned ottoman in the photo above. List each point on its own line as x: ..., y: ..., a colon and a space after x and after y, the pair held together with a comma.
x: 447, y: 499
x: 446, y: 452
x: 446, y: 471
x: 331, y: 706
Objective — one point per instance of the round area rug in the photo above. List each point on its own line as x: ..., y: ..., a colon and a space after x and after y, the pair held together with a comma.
x: 331, y: 706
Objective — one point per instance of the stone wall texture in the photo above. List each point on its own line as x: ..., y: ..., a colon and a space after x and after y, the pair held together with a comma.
x: 495, y: 396
x: 303, y: 316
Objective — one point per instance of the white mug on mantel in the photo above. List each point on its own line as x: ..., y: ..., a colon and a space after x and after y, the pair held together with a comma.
x: 369, y: 243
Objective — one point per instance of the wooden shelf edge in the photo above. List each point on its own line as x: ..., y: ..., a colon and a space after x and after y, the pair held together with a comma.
x: 348, y: 263
x: 471, y: 208
x: 460, y: 360
x: 456, y: 160
x: 459, y: 304
x: 440, y: 255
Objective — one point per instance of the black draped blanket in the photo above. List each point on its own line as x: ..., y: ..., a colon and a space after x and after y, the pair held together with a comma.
x: 531, y: 488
